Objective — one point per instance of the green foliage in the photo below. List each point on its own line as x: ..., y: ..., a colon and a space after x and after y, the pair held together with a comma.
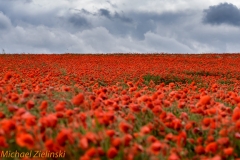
x: 201, y: 73
x: 225, y: 81
x: 166, y: 80
x: 102, y: 83
x: 148, y: 77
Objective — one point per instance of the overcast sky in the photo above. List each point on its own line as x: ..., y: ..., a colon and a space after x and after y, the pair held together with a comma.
x: 117, y: 26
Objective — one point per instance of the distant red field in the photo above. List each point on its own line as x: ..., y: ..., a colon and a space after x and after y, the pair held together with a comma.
x: 120, y: 106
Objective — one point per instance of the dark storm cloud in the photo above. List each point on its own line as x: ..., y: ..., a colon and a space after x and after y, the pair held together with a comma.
x: 79, y: 21
x: 149, y: 21
x: 133, y: 23
x: 140, y: 23
x: 106, y: 13
x: 222, y: 13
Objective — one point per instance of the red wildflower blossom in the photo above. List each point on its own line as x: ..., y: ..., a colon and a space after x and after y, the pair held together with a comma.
x: 110, y: 133
x: 7, y: 76
x: 30, y: 104
x: 116, y: 142
x: 83, y: 143
x: 44, y: 105
x: 25, y: 140
x: 211, y: 147
x: 228, y: 151
x: 127, y: 139
x: 173, y: 156
x: 112, y: 152
x: 78, y: 99
x: 8, y: 125
x: 3, y: 142
x: 29, y: 119
x: 181, y: 139
x: 156, y: 147
x: 2, y: 115
x: 49, y: 144
x: 199, y: 149
x: 145, y: 130
x: 63, y: 136
x: 26, y: 93
x: 236, y: 115
x: 223, y: 141
x: 12, y: 108
x: 223, y: 132
x: 60, y: 106
x: 91, y: 152
x: 237, y: 135
x: 205, y: 100
x: 14, y: 97
x: 49, y: 121
x: 135, y: 107
x: 125, y: 127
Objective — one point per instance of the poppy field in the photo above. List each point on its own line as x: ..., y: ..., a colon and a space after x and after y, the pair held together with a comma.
x: 120, y: 106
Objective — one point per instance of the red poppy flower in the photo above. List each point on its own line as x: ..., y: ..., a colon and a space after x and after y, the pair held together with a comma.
x: 156, y: 147
x: 211, y: 147
x: 60, y: 106
x: 205, y: 100
x: 3, y: 142
x: 125, y: 127
x: 63, y: 136
x: 110, y: 133
x: 112, y: 152
x: 78, y: 99
x: 30, y: 104
x: 228, y: 151
x: 25, y: 140
x: 199, y: 149
x: 44, y: 105
x: 8, y: 125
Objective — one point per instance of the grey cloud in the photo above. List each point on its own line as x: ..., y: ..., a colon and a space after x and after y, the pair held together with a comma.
x: 47, y: 19
x: 71, y: 21
x: 60, y: 30
x: 136, y: 24
x: 151, y: 43
x: 122, y: 18
x: 84, y: 11
x: 165, y: 44
x: 81, y: 11
x: 24, y: 1
x: 106, y: 13
x: 38, y: 40
x: 150, y: 21
x: 112, y: 5
x: 143, y: 27
x: 28, y: 1
x: 217, y: 38
x: 79, y: 21
x: 222, y: 13
x: 26, y: 16
x: 5, y: 22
